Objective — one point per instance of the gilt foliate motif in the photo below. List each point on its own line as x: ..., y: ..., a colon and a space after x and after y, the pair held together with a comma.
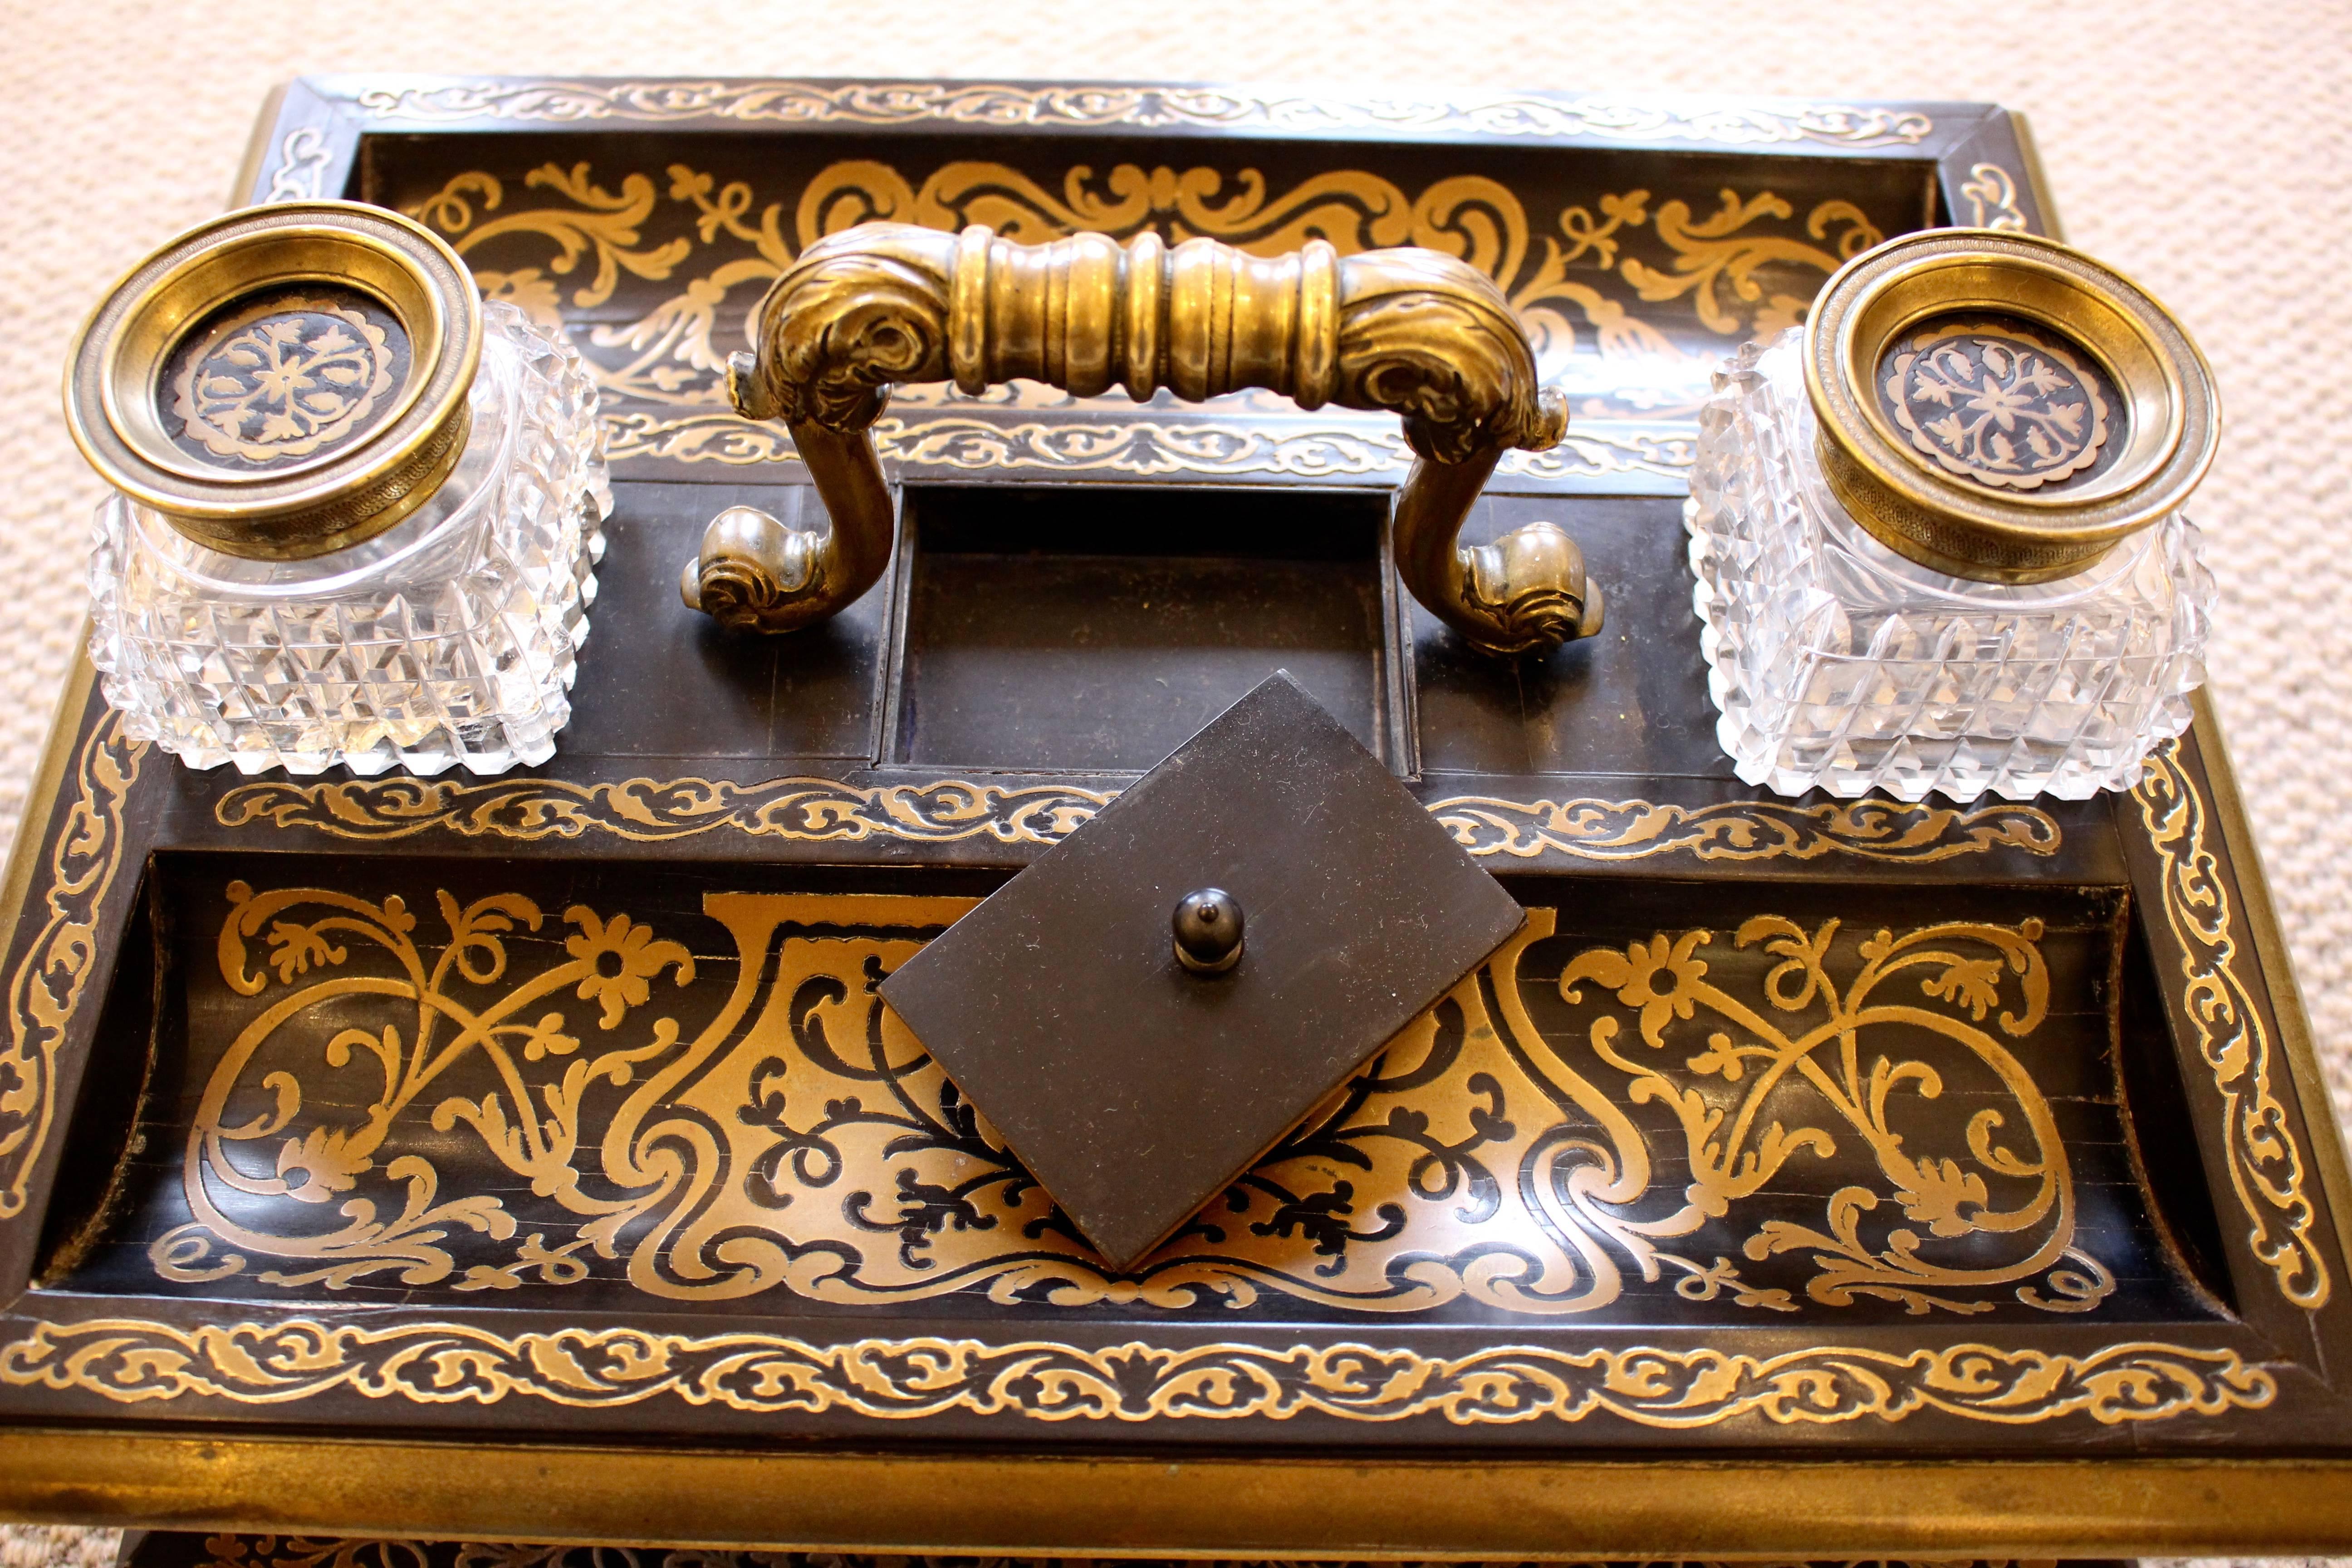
x: 443, y: 1112
x: 1998, y: 404
x: 286, y: 378
x: 135, y: 1362
x: 1737, y: 263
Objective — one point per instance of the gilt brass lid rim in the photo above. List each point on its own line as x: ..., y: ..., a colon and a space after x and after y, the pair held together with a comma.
x: 426, y: 339
x: 2168, y: 412
x: 316, y: 504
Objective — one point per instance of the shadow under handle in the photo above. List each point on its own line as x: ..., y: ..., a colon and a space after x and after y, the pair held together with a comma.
x: 1413, y: 331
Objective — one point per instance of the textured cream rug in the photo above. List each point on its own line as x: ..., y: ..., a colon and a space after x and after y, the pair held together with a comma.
x: 2205, y: 148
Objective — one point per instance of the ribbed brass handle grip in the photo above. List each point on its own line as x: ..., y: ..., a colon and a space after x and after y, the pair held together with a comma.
x: 1413, y: 332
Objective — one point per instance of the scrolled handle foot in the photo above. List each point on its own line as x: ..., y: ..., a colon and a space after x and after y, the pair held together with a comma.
x: 754, y: 574
x: 1530, y: 589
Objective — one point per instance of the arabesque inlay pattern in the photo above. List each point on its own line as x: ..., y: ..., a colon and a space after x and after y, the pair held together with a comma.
x: 1748, y: 266
x: 980, y: 104
x: 49, y: 980
x: 802, y: 1141
x: 2266, y: 1164
x: 1996, y: 403
x: 127, y: 1361
x: 819, y: 810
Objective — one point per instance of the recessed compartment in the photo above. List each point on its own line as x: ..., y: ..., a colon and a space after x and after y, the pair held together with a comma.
x: 1063, y: 629
x: 1663, y: 1102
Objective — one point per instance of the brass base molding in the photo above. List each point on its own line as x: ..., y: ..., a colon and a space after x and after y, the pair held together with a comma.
x: 1264, y: 1506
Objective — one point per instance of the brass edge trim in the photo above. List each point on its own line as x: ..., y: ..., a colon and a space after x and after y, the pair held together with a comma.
x: 2277, y: 966
x: 2036, y: 179
x: 46, y: 986
x: 2265, y: 1165
x: 133, y: 1360
x: 1010, y: 106
x: 40, y: 796
x: 1262, y: 1506
x: 257, y: 146
x: 819, y: 810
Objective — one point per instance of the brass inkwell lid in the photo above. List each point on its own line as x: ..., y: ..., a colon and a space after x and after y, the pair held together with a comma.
x: 284, y: 381
x: 2000, y: 406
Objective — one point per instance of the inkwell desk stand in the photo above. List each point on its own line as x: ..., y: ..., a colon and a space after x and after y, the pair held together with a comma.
x: 557, y: 1155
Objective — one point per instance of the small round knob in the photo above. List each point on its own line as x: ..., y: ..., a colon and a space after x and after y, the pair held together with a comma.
x: 1208, y: 927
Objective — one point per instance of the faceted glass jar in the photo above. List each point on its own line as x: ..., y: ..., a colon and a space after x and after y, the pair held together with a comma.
x: 1838, y: 664
x: 448, y: 639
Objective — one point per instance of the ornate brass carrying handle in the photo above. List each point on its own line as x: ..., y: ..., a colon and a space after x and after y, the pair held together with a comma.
x: 1413, y: 332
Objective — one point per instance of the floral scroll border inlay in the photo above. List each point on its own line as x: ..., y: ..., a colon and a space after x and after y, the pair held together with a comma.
x: 1859, y: 127
x: 131, y: 1361
x: 1992, y: 195
x: 48, y: 982
x: 1442, y: 1171
x: 1143, y: 448
x: 302, y: 161
x: 1588, y: 283
x: 2266, y: 1165
x: 819, y: 810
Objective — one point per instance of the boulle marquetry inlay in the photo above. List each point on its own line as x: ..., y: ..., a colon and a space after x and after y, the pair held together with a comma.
x: 983, y: 105
x: 1997, y: 402
x: 1991, y: 195
x: 1593, y: 278
x: 301, y: 172
x: 286, y: 377
x: 796, y: 1138
x: 131, y: 1361
x: 821, y: 810
x: 50, y: 981
x: 2266, y: 1164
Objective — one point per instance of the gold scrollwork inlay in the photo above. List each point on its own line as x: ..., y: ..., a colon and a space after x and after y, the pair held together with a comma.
x: 1145, y: 446
x: 1992, y: 195
x: 1739, y: 269
x: 1995, y: 403
x: 48, y: 982
x: 822, y: 810
x: 129, y: 1360
x: 1010, y: 107
x: 302, y: 160
x: 283, y: 378
x: 1591, y: 829
x: 650, y: 810
x: 2266, y: 1165
x: 802, y: 1141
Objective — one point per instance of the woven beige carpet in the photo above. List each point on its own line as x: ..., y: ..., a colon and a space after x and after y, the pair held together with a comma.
x: 2205, y: 148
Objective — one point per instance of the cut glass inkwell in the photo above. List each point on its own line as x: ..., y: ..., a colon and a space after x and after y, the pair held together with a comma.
x: 1936, y: 529
x: 357, y: 510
